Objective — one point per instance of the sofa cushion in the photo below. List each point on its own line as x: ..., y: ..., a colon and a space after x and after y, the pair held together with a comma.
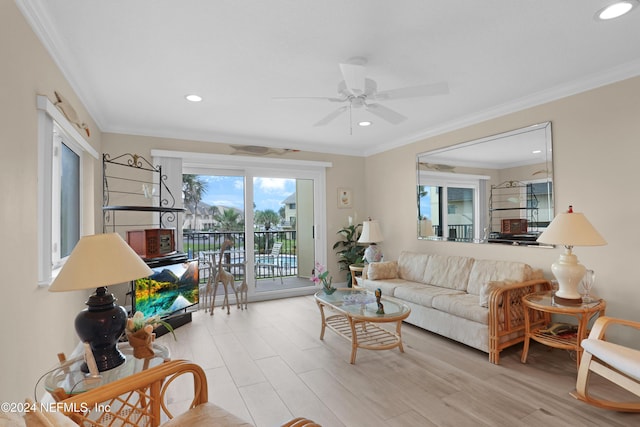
x: 411, y: 266
x: 388, y: 287
x: 448, y: 271
x: 423, y: 294
x: 465, y: 306
x: 383, y: 270
x: 485, y: 271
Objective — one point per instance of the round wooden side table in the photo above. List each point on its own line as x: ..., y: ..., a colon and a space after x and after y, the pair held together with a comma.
x: 545, y: 302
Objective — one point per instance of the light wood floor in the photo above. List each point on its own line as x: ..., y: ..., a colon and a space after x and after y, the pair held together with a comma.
x: 267, y: 365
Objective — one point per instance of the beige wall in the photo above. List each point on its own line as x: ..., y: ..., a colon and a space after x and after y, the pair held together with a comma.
x: 36, y: 324
x: 596, y: 147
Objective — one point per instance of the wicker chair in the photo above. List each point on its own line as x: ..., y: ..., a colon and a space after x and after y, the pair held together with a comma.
x: 616, y: 363
x: 140, y: 400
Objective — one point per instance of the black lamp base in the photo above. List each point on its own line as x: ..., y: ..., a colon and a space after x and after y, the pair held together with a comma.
x: 101, y: 324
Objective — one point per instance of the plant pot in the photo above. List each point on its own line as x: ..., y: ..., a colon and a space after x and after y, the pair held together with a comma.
x: 329, y: 290
x: 141, y: 341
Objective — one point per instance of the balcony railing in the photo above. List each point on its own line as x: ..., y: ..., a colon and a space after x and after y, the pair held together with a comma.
x: 206, y: 247
x: 456, y: 231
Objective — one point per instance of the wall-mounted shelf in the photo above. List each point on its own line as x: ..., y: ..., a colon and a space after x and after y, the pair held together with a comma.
x: 131, y: 184
x: 513, y: 214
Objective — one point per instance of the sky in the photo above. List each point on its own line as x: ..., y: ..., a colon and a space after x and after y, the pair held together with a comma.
x: 228, y: 191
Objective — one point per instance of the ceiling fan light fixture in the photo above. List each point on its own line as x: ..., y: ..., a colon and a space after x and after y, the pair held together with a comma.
x: 365, y: 123
x: 193, y: 98
x: 616, y: 10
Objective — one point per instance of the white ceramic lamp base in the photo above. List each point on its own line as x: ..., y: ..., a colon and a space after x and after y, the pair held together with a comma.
x: 569, y: 272
x: 373, y: 253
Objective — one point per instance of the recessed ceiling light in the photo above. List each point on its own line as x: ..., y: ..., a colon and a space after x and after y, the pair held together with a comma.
x: 365, y: 123
x: 536, y: 151
x: 616, y: 10
x: 193, y: 98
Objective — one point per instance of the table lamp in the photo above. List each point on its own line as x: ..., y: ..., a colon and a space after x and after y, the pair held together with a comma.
x: 570, y: 229
x: 98, y: 261
x: 371, y: 234
x: 425, y: 228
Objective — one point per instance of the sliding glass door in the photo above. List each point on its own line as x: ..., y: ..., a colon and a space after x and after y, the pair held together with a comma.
x: 271, y: 218
x: 283, y: 226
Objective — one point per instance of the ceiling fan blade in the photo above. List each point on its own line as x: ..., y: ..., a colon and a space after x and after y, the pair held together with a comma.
x: 441, y: 88
x: 312, y: 98
x: 353, y: 76
x: 331, y: 116
x: 385, y: 113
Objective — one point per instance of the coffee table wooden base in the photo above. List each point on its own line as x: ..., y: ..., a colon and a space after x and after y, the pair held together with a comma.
x: 362, y: 334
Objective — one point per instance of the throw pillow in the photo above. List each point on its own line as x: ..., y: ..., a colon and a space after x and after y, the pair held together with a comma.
x: 487, y: 288
x: 383, y: 270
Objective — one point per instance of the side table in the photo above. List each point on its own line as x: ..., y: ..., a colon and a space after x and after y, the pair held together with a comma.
x: 68, y: 379
x: 355, y: 268
x: 544, y: 302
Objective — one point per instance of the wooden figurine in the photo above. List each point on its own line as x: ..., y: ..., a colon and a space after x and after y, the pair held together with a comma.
x: 380, y: 306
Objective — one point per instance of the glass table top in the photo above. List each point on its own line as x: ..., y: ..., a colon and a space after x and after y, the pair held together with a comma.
x: 362, y: 303
x: 70, y: 378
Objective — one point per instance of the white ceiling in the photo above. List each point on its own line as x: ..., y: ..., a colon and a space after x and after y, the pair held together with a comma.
x: 132, y: 62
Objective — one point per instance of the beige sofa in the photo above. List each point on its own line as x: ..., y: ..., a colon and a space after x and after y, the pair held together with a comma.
x: 473, y: 301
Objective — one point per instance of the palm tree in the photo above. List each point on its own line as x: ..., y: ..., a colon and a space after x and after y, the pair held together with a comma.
x: 267, y: 218
x: 228, y: 219
x: 193, y: 188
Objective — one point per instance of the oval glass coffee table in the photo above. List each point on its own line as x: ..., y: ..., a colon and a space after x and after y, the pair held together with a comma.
x: 356, y: 319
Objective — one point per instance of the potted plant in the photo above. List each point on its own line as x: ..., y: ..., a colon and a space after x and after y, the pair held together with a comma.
x: 349, y: 252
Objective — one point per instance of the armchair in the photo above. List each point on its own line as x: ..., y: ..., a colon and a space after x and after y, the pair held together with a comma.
x: 614, y: 362
x: 140, y: 400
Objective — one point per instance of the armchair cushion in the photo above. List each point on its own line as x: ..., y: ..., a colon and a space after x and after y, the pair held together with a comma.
x: 624, y: 359
x: 206, y: 414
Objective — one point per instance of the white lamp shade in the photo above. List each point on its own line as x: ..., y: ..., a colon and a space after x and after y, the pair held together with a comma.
x: 100, y: 260
x: 371, y: 232
x: 571, y: 229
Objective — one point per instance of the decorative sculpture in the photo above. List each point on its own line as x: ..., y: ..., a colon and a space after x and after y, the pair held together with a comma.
x: 380, y: 306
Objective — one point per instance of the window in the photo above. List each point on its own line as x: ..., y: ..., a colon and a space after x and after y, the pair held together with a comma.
x: 452, y: 204
x: 66, y: 214
x: 61, y: 150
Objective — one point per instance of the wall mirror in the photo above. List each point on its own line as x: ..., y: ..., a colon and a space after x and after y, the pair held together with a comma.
x: 497, y: 189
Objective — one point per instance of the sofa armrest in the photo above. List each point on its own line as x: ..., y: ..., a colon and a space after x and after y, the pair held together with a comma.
x: 506, y: 315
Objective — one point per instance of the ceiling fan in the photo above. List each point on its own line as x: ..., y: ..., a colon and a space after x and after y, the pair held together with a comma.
x: 358, y: 91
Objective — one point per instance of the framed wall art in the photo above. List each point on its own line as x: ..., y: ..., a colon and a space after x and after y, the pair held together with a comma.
x: 345, y: 198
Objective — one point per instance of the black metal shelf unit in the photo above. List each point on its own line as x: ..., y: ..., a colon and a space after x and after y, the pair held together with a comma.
x: 513, y: 214
x: 132, y: 184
